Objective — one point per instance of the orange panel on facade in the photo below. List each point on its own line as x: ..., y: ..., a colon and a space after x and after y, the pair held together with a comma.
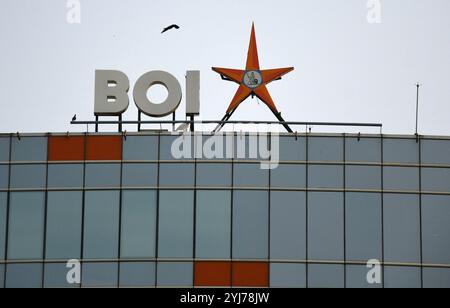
x: 62, y: 148
x: 251, y: 274
x: 212, y: 274
x: 104, y: 148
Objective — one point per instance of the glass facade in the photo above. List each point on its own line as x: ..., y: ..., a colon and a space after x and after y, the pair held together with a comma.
x: 136, y: 216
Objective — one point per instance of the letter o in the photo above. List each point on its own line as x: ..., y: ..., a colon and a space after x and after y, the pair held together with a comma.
x: 145, y: 82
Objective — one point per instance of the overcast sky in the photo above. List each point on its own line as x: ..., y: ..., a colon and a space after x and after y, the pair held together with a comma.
x: 346, y: 69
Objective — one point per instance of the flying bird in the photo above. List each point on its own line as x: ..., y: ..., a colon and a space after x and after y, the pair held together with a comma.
x: 170, y: 28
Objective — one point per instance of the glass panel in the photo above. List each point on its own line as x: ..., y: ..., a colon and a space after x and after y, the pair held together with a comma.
x: 326, y: 226
x: 101, y: 225
x: 321, y: 176
x: 212, y: 274
x: 138, y: 224
x: 140, y: 175
x: 401, y: 228
x: 289, y: 176
x: 213, y: 175
x: 66, y: 148
x: 177, y: 175
x: 26, y: 226
x: 99, y: 275
x: 249, y: 147
x: 104, y: 147
x: 24, y: 276
x: 2, y: 276
x: 401, y: 178
x: 250, y: 175
x: 357, y: 277
x: 437, y: 278
x: 175, y: 274
x: 287, y: 275
x: 363, y: 230
x: 29, y: 149
x: 402, y: 277
x: 436, y: 229
x: 4, y: 176
x: 4, y: 149
x: 139, y: 148
x: 363, y: 177
x: 176, y: 224
x: 250, y: 225
x: 250, y: 274
x: 64, y: 213
x: 28, y: 176
x: 436, y: 152
x: 55, y: 276
x: 65, y: 176
x: 214, y: 147
x: 102, y: 175
x: 213, y: 225
x: 405, y: 151
x: 325, y: 276
x: 291, y: 149
x: 137, y: 274
x: 436, y: 179
x: 325, y: 149
x: 3, y: 213
x: 288, y: 225
x: 367, y: 150
x: 183, y: 146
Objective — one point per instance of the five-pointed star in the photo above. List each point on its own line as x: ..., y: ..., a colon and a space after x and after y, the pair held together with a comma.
x: 252, y: 80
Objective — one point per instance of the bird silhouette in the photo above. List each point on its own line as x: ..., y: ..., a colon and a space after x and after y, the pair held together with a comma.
x: 174, y: 26
x: 74, y: 118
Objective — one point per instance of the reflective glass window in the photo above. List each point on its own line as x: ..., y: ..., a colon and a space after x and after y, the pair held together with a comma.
x: 436, y: 179
x: 182, y: 145
x: 29, y: 149
x: 24, y: 276
x: 287, y: 275
x: 363, y: 177
x: 175, y: 274
x: 99, y: 275
x: 324, y: 176
x: 177, y: 175
x: 356, y: 276
x: 288, y: 176
x: 401, y: 178
x: 137, y: 274
x: 140, y: 175
x: 214, y: 175
x: 250, y: 175
x: 292, y: 149
x: 28, y: 176
x: 65, y: 176
x: 367, y: 150
x: 405, y: 151
x: 55, y: 276
x: 402, y: 277
x: 140, y: 148
x: 325, y: 149
x: 250, y: 147
x: 214, y: 147
x: 4, y: 149
x: 436, y: 152
x: 4, y: 176
x: 102, y: 175
x: 3, y: 213
x: 325, y: 276
x: 2, y: 276
x: 437, y: 278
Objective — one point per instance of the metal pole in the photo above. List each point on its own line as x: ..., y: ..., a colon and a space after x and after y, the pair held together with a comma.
x: 417, y: 109
x: 174, y: 118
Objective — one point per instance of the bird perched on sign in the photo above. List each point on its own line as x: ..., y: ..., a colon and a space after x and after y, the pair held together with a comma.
x: 174, y: 26
x: 74, y: 118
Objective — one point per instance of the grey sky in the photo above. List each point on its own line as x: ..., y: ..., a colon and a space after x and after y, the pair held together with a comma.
x: 346, y: 70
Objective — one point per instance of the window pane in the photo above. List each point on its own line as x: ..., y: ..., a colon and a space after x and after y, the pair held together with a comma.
x: 436, y: 278
x: 325, y: 149
x: 3, y: 213
x: 357, y: 277
x: 250, y: 175
x: 363, y: 230
x: 402, y: 277
x: 24, y: 276
x: 140, y: 175
x: 66, y: 148
x: 214, y: 175
x: 138, y: 224
x: 405, y: 151
x: 28, y: 176
x: 436, y: 229
x: 363, y: 177
x: 436, y: 152
x: 99, y: 275
x: 175, y: 274
x: 250, y: 225
x: 291, y: 149
x: 213, y: 224
x: 366, y: 150
x: 55, y: 276
x: 436, y: 179
x: 26, y: 226
x: 101, y: 225
x: 102, y: 175
x: 326, y: 226
x: 140, y: 148
x: 177, y: 175
x: 289, y: 176
x: 104, y: 147
x: 288, y: 225
x: 287, y: 275
x: 214, y: 147
x: 401, y: 178
x: 401, y: 228
x: 250, y: 274
x: 64, y: 213
x: 183, y: 146
x: 137, y: 274
x: 212, y: 274
x: 249, y: 147
x: 325, y: 276
x: 176, y: 224
x: 2, y: 276
x: 325, y: 176
x: 4, y: 149
x: 29, y: 149
x: 4, y: 176
x: 65, y: 176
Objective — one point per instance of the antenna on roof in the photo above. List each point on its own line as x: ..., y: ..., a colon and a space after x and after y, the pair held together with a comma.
x: 417, y: 108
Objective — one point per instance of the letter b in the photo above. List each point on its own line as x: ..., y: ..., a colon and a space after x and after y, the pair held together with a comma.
x: 111, y: 93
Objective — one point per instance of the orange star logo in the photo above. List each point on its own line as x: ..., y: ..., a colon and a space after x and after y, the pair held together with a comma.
x: 252, y: 81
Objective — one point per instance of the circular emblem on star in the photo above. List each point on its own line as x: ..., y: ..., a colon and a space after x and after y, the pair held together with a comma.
x: 253, y: 79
